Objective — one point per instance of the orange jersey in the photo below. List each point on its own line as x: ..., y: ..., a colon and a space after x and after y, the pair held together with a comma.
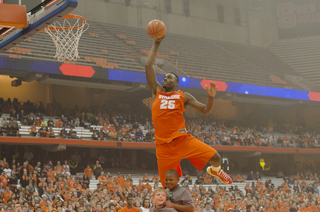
x: 167, y: 116
x: 88, y: 172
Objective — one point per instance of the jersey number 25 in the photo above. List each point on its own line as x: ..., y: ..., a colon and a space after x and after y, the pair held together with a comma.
x: 167, y: 104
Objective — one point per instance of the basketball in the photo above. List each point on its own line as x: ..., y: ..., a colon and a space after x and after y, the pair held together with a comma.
x: 156, y: 29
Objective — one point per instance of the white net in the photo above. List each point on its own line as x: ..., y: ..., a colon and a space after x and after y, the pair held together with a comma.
x: 66, y: 35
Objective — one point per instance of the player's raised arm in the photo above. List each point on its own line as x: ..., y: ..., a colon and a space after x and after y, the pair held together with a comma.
x: 202, y: 108
x: 150, y: 72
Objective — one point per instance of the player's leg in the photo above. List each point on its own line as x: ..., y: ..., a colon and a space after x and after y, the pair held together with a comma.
x: 167, y: 159
x: 200, y: 154
x: 166, y: 165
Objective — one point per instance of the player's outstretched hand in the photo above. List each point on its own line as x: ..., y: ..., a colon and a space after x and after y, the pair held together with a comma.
x: 212, y: 90
x: 160, y: 39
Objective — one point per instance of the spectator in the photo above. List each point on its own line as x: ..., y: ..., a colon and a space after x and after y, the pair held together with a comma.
x: 127, y: 137
x: 50, y: 122
x: 135, y: 126
x: 77, y: 122
x: 159, y: 197
x: 97, y: 169
x: 51, y: 133
x: 149, y: 136
x: 129, y: 207
x: 33, y: 130
x: 208, y: 208
x: 251, y: 176
x: 139, y: 135
x: 88, y: 171
x: 73, y: 163
x: 43, y: 131
x: 66, y: 123
x: 145, y: 205
x: 72, y: 134
x: 37, y: 121
x: 63, y: 133
x: 59, y: 123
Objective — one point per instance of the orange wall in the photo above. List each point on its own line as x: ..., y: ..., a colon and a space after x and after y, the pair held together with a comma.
x: 33, y: 91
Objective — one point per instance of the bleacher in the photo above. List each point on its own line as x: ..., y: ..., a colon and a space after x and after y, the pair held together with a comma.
x: 87, y: 132
x: 106, y: 43
x: 82, y: 132
x: 210, y: 59
x: 136, y: 177
x: 302, y: 56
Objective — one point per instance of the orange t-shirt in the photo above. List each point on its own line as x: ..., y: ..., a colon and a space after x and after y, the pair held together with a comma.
x: 47, y: 209
x: 313, y: 209
x: 109, y: 185
x: 59, y: 123
x: 304, y: 210
x: 4, y: 180
x: 168, y: 106
x: 102, y: 210
x: 227, y: 207
x: 149, y: 187
x: 238, y: 178
x: 61, y: 183
x: 88, y: 172
x: 102, y: 178
x: 70, y: 182
x: 283, y: 209
x: 155, y: 178
x: 145, y: 178
x: 126, y: 209
x: 59, y: 168
x: 6, y: 196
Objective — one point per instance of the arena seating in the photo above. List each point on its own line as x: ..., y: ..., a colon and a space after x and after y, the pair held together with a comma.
x: 302, y: 56
x: 115, y: 46
x: 241, y: 186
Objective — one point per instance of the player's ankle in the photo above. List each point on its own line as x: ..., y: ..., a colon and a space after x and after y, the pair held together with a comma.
x: 216, y: 169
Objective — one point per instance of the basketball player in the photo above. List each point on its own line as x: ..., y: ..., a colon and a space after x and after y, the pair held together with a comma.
x: 172, y: 141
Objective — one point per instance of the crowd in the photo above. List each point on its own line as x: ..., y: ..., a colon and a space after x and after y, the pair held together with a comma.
x: 129, y: 128
x: 57, y: 187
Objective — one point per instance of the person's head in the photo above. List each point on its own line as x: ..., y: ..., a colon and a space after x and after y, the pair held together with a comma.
x: 172, y: 179
x: 146, y: 203
x: 159, y: 196
x: 81, y: 209
x: 170, y: 81
x: 208, y: 206
x: 44, y: 197
x: 98, y: 206
x: 130, y: 201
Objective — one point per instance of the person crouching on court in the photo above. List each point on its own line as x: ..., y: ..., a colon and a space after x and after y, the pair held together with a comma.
x: 159, y: 198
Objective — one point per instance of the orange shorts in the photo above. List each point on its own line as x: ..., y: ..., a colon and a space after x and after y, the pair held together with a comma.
x: 170, y: 154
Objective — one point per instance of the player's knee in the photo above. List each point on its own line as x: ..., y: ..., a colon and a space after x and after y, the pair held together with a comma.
x: 216, y: 158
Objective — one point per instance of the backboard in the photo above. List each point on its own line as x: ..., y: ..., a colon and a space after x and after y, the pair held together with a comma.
x: 40, y: 13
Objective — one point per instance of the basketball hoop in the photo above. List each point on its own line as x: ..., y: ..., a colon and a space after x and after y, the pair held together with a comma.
x: 66, y: 36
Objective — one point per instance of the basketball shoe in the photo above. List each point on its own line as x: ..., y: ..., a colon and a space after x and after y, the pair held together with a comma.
x: 224, y: 177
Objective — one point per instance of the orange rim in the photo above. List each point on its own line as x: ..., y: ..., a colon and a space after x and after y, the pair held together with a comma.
x: 68, y: 16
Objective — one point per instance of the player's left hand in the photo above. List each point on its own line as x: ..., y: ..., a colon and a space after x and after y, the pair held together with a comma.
x: 169, y: 204
x: 212, y: 90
